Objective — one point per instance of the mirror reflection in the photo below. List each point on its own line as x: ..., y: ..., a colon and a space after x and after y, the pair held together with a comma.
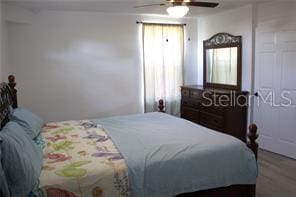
x: 222, y: 65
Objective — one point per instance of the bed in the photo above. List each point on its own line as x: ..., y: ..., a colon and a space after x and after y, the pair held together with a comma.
x: 152, y: 154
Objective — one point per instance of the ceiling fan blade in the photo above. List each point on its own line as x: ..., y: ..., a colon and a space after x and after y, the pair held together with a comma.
x: 202, y: 4
x: 158, y: 4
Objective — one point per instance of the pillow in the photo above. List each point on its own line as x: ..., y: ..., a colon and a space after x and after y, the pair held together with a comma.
x: 30, y: 122
x: 4, y: 191
x: 39, y: 142
x: 21, y: 160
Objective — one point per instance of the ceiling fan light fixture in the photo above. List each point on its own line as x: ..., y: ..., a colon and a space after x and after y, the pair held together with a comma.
x: 177, y: 11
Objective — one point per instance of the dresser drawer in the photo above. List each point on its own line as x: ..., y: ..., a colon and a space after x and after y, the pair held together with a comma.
x: 211, y: 121
x: 190, y: 114
x: 189, y: 103
x: 195, y: 94
x: 185, y: 92
x: 213, y: 109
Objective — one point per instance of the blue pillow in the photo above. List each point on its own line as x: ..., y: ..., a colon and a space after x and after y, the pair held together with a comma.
x: 30, y: 122
x: 4, y: 191
x: 39, y: 142
x: 21, y: 160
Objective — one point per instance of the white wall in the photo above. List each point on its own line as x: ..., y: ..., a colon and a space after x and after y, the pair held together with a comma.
x: 17, y: 14
x: 10, y: 15
x: 237, y: 22
x: 276, y: 11
x: 1, y: 38
x: 74, y: 65
x: 3, y: 47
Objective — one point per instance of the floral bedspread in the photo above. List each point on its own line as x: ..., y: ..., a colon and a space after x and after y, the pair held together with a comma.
x: 81, y: 160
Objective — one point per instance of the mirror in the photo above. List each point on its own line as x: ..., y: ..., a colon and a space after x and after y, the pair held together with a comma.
x: 222, y: 62
x: 222, y: 66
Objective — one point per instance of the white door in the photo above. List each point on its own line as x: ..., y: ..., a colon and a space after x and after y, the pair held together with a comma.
x: 275, y: 81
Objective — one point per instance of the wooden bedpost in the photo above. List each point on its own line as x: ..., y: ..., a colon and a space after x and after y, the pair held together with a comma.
x: 253, y: 145
x: 12, y: 84
x: 252, y: 135
x: 161, y: 106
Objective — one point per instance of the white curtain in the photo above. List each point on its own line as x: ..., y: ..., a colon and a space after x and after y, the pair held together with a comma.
x: 163, y: 47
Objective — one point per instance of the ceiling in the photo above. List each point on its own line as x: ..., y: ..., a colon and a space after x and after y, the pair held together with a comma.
x: 122, y: 6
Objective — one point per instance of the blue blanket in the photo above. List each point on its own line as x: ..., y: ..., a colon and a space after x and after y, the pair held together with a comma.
x: 167, y: 156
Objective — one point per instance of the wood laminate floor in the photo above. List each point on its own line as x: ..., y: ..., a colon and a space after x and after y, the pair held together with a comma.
x: 277, y: 175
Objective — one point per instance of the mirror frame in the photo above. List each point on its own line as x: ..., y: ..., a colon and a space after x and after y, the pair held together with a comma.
x: 223, y: 40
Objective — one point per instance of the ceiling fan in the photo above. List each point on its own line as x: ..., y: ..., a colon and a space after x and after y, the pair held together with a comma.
x: 179, y: 8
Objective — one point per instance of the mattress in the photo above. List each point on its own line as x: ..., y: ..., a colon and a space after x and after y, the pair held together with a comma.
x: 143, y: 155
x: 167, y: 155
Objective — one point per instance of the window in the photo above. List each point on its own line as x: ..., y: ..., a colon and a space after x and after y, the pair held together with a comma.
x: 163, y: 48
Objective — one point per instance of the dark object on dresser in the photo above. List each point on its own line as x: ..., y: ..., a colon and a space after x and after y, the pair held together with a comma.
x: 221, y: 110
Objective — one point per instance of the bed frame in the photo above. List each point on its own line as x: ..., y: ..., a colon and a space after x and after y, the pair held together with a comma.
x: 8, y: 98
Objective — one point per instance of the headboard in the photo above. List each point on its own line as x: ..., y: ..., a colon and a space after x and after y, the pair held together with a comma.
x: 8, y: 98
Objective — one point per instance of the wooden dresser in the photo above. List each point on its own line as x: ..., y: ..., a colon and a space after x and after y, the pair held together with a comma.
x: 221, y: 110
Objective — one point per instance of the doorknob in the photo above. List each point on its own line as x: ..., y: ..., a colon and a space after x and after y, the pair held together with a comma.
x: 256, y: 94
